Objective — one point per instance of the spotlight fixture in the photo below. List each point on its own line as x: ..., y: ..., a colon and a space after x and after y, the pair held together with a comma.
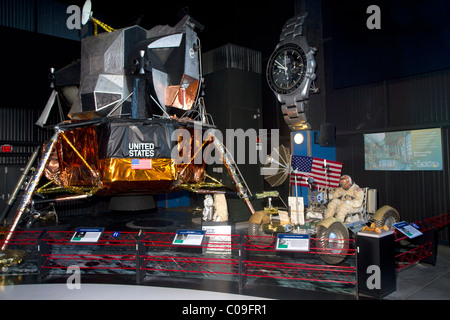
x: 298, y: 138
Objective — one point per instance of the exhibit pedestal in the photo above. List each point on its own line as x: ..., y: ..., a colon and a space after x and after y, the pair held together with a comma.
x: 218, y: 236
x: 376, y: 267
x: 218, y: 227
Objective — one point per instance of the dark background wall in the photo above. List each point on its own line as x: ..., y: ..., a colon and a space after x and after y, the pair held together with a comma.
x: 396, y: 78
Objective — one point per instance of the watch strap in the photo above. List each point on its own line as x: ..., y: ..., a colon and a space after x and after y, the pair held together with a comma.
x: 293, y: 28
x: 294, y: 116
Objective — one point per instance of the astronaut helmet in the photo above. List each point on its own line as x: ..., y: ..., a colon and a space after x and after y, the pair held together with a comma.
x: 209, y: 201
x: 346, y: 182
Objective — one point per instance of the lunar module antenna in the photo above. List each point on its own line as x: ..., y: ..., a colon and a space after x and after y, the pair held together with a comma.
x: 87, y: 15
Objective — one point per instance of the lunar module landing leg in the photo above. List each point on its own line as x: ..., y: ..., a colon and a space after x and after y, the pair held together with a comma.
x: 19, y: 184
x: 242, y: 188
x: 29, y: 191
x: 233, y: 170
x: 32, y: 186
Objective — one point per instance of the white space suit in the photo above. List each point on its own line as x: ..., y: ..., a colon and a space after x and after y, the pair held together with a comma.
x: 347, y: 198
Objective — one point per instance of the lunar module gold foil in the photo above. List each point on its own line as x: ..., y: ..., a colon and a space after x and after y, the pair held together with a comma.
x: 114, y: 170
x: 119, y: 176
x: 75, y: 164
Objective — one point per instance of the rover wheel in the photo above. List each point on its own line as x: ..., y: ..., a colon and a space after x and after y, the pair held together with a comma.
x: 333, y: 242
x: 386, y: 216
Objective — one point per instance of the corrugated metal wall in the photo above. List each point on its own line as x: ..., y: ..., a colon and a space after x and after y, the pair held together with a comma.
x: 231, y: 56
x: 17, y: 128
x: 415, y: 102
x: 23, y: 100
x: 26, y: 83
x: 19, y: 14
x: 42, y: 16
x: 420, y: 100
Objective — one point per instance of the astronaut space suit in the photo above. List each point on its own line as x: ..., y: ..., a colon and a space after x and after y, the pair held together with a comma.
x: 347, y: 198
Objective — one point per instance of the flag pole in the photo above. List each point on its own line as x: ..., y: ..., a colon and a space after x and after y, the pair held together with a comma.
x: 325, y: 166
x: 296, y: 198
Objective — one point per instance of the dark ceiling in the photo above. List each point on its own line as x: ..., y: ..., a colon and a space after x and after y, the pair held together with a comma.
x: 414, y: 36
x: 252, y: 24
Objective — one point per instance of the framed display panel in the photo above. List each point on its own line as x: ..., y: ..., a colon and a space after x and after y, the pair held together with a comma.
x: 292, y: 242
x: 87, y: 235
x: 411, y: 150
x: 189, y: 237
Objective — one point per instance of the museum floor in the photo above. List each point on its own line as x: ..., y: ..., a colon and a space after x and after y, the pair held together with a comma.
x: 419, y: 282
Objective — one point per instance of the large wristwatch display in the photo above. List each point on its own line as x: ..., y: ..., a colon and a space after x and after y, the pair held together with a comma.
x: 290, y: 72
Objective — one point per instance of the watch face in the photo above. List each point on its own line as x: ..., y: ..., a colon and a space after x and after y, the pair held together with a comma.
x: 286, y: 68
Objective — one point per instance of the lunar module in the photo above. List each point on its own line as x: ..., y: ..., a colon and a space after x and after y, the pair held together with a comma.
x: 137, y: 120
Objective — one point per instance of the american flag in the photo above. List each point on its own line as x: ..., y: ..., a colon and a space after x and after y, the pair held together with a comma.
x: 308, y: 167
x: 141, y: 164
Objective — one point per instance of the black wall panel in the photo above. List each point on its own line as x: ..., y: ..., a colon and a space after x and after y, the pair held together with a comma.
x: 393, y: 79
x: 233, y: 98
x: 401, y: 104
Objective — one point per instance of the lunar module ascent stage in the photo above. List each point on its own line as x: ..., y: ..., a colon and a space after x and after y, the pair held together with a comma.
x: 134, y: 108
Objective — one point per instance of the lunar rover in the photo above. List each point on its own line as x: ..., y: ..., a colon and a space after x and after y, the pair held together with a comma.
x: 330, y: 235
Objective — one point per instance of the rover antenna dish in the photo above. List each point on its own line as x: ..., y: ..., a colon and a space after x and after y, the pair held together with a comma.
x: 86, y: 13
x: 278, y: 166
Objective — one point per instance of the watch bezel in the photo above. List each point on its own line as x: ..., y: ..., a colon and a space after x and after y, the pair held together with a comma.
x: 272, y: 58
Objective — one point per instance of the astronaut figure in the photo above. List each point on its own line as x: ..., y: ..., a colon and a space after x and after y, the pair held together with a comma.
x: 208, y: 209
x: 347, y: 198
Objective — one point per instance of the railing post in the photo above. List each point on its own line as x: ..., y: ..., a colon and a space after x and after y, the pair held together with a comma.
x: 242, y: 266
x: 140, y: 251
x: 43, y: 248
x: 356, y: 273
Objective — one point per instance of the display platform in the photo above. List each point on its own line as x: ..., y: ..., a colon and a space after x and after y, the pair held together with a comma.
x: 376, y: 263
x: 173, y: 220
x: 275, y: 278
x: 91, y: 291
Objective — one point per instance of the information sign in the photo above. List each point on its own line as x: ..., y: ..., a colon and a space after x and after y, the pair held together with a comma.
x: 219, y: 238
x: 189, y: 237
x: 292, y: 242
x: 407, y: 229
x: 87, y: 235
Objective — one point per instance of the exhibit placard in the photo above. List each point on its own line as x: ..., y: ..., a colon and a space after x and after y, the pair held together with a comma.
x: 219, y: 238
x: 292, y: 242
x: 407, y: 229
x: 189, y: 237
x: 87, y: 235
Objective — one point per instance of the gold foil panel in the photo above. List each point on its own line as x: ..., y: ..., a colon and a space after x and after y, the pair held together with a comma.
x: 52, y: 170
x: 192, y: 173
x: 85, y: 142
x: 81, y: 168
x: 115, y: 169
x: 72, y: 169
x: 118, y: 176
x: 182, y: 96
